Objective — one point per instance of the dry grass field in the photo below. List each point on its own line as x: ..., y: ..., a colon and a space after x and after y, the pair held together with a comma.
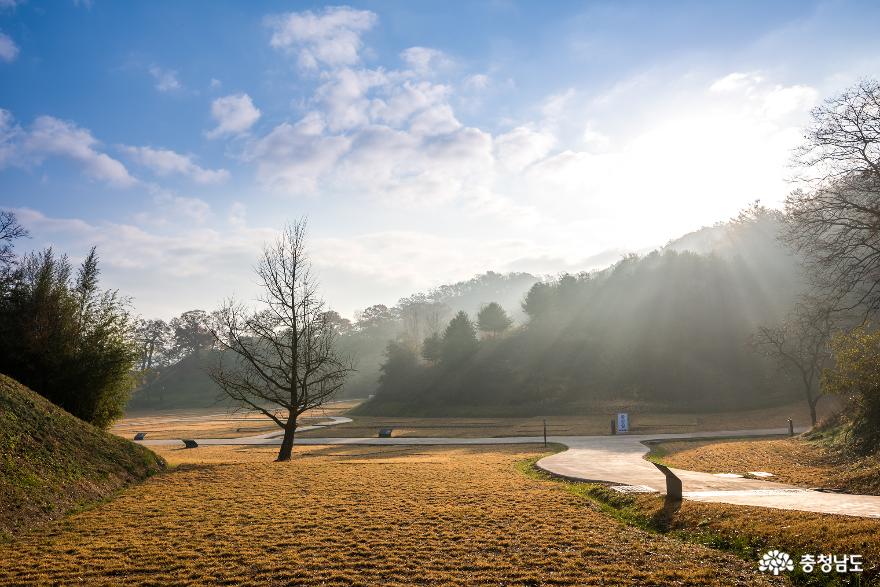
x: 753, y: 530
x: 214, y: 422
x: 356, y: 516
x: 593, y: 424
x: 790, y: 460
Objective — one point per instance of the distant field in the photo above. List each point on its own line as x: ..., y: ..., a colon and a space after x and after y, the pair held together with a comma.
x: 594, y: 424
x: 357, y: 516
x: 214, y: 422
x: 791, y: 460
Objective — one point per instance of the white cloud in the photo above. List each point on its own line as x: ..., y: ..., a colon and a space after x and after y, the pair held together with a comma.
x: 752, y: 91
x: 10, y: 136
x: 399, y: 102
x: 165, y: 162
x: 174, y: 208
x: 143, y: 262
x: 8, y: 48
x: 554, y: 105
x: 477, y: 82
x: 736, y: 81
x: 215, y: 83
x: 329, y: 38
x: 4, y: 4
x: 234, y: 114
x: 166, y: 79
x: 293, y: 157
x: 595, y: 139
x: 522, y: 146
x: 237, y: 214
x: 424, y: 60
x: 343, y: 97
x: 781, y: 101
x: 52, y: 136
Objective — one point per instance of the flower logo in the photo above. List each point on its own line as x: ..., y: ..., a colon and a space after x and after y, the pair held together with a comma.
x: 775, y: 561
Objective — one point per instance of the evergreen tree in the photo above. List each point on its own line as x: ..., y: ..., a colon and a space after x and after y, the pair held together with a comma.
x: 493, y: 319
x: 459, y: 339
x: 432, y: 349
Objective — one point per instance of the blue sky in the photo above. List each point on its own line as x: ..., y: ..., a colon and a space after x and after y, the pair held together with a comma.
x: 425, y: 141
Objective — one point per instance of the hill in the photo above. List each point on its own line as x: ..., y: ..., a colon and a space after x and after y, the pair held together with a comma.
x: 669, y: 329
x: 185, y: 384
x: 52, y: 462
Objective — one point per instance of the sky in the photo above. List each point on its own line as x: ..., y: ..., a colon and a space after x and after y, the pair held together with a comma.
x: 425, y: 142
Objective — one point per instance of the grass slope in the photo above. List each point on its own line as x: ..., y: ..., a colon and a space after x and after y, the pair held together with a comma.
x: 52, y: 462
x: 184, y: 385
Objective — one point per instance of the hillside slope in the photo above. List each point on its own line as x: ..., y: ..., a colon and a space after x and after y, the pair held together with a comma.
x: 52, y: 463
x: 186, y: 384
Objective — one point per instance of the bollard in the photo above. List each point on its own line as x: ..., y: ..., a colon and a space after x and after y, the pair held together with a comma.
x: 790, y: 427
x: 673, y: 483
x: 545, y: 433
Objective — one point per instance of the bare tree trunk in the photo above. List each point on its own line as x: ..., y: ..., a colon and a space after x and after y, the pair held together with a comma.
x: 812, y: 401
x: 287, y: 443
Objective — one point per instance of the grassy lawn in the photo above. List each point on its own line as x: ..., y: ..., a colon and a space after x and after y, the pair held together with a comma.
x: 791, y: 460
x: 358, y: 516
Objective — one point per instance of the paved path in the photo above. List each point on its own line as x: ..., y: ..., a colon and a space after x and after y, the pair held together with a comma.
x: 619, y: 460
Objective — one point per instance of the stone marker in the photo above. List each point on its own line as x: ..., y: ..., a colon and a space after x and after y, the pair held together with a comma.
x: 385, y: 432
x: 140, y: 435
x: 191, y: 443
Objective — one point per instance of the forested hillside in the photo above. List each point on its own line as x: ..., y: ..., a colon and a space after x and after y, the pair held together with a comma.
x: 671, y: 328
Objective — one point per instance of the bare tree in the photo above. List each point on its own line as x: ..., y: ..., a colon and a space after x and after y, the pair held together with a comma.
x: 800, y: 346
x: 10, y: 230
x: 280, y: 359
x: 833, y: 218
x: 154, y: 339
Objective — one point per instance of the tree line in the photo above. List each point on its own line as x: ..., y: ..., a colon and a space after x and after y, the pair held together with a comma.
x: 670, y: 329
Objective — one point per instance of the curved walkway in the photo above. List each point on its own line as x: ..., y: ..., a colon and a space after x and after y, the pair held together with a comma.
x: 619, y: 460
